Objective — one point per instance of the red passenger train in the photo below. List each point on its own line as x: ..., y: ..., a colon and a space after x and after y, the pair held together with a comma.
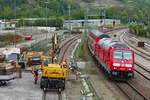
x: 116, y: 58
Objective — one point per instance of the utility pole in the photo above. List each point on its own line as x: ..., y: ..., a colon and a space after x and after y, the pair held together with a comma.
x: 15, y: 23
x: 23, y: 26
x: 103, y: 15
x: 69, y: 13
x: 148, y: 19
x: 85, y: 24
x: 46, y: 21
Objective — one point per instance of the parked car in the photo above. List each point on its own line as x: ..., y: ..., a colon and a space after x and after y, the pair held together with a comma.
x: 28, y: 37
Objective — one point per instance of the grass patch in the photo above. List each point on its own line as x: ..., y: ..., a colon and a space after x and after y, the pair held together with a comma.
x: 118, y: 98
x: 80, y: 52
x: 81, y: 49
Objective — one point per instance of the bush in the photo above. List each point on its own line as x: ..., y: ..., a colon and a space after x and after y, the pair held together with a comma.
x: 148, y: 31
x: 140, y: 29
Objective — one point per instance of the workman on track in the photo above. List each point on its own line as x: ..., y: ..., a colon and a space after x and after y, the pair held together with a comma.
x: 35, y: 75
x: 64, y: 63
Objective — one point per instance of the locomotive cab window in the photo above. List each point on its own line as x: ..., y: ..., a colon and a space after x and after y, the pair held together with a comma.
x: 127, y: 55
x: 118, y: 54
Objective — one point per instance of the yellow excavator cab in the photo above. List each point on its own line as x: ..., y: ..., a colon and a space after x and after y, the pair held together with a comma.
x: 53, y: 75
x: 55, y: 71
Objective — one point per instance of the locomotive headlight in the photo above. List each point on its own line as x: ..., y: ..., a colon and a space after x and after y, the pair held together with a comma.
x: 128, y: 65
x: 129, y: 69
x: 116, y: 64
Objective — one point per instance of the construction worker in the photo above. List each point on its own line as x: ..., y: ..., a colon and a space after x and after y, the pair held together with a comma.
x: 55, y: 59
x: 35, y: 75
x: 18, y: 68
x: 46, y: 62
x: 64, y: 63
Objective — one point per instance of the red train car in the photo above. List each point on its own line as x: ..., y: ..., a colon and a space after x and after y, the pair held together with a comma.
x: 116, y: 58
x: 94, y: 37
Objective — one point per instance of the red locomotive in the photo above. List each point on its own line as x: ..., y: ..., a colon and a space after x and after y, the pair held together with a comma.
x: 116, y: 58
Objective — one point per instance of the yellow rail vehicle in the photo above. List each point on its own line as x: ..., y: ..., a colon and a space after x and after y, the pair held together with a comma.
x: 53, y: 76
x: 34, y: 58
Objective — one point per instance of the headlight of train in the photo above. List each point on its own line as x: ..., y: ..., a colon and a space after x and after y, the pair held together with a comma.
x: 116, y: 64
x: 128, y: 65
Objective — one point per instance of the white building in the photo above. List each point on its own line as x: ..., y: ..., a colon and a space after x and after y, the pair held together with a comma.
x: 49, y: 29
x: 6, y: 25
x: 2, y: 25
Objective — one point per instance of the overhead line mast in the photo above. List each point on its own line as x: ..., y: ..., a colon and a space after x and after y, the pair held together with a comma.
x: 15, y: 16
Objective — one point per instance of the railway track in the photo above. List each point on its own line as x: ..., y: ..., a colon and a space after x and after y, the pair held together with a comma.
x: 138, y: 51
x: 51, y: 95
x: 130, y: 91
x: 95, y: 91
x: 47, y: 95
x: 143, y: 71
x: 64, y: 47
x: 136, y: 94
x: 145, y: 43
x: 142, y: 54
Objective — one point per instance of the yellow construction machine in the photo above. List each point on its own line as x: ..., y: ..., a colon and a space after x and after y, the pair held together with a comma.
x: 34, y: 58
x: 53, y: 74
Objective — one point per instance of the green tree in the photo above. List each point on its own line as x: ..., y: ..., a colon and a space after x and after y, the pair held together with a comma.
x: 8, y: 13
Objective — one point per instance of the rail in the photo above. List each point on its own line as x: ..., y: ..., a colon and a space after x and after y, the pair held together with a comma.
x: 145, y: 56
x: 145, y: 43
x: 146, y: 77
x: 63, y: 48
x: 92, y: 88
x: 45, y: 93
x: 141, y: 94
x: 66, y: 45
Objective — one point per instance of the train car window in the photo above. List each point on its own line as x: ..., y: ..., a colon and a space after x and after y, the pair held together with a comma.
x: 127, y: 55
x: 118, y: 54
